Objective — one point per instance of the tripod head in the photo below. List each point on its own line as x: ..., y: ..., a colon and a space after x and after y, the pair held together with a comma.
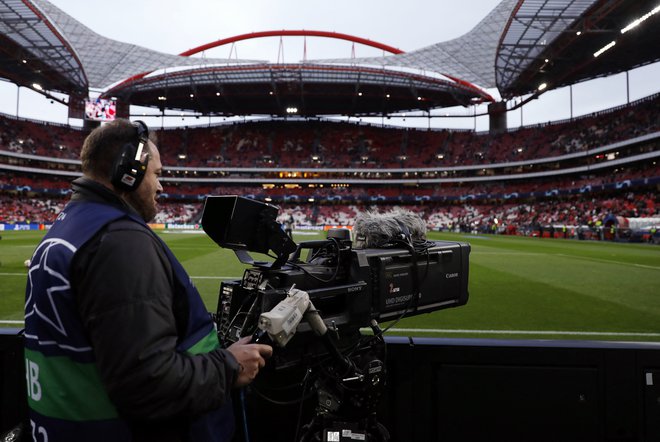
x: 348, y: 387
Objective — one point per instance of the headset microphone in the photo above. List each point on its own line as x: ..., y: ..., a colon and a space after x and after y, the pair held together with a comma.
x: 131, y: 163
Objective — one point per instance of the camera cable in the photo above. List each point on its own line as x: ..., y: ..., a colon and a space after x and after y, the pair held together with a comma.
x: 336, y: 244
x: 241, y: 397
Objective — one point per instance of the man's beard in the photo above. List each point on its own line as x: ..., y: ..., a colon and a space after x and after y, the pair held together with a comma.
x: 146, y: 209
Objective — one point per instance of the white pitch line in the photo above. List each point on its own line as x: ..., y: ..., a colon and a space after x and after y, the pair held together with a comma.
x: 481, y: 252
x: 215, y: 277
x: 609, y: 261
x: 483, y: 332
x: 193, y: 277
x: 520, y: 332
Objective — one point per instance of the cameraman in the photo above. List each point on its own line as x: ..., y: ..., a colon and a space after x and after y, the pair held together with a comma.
x: 119, y: 345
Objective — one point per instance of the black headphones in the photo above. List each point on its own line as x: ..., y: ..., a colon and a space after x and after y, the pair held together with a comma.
x: 131, y: 162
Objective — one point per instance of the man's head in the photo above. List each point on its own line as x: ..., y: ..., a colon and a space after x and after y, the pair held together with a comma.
x: 99, y: 154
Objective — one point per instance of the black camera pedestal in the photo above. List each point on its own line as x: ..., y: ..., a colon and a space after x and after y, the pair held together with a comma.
x: 348, y: 391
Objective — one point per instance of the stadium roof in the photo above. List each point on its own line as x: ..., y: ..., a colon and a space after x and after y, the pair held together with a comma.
x: 300, y: 89
x: 560, y: 42
x: 517, y: 47
x: 55, y: 44
x: 522, y: 44
x: 469, y: 57
x: 34, y: 51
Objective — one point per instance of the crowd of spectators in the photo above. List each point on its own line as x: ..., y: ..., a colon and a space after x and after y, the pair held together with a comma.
x: 321, y: 144
x: 338, y: 193
x: 324, y: 144
x: 40, y: 138
x: 506, y: 216
x: 25, y: 210
x: 578, y: 210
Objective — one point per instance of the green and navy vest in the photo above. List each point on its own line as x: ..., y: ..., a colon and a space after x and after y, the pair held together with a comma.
x: 66, y: 398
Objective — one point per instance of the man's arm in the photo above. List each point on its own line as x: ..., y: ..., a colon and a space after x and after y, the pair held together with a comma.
x: 125, y: 298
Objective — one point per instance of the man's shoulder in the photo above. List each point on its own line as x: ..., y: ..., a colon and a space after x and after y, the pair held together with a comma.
x: 132, y: 234
x: 128, y: 224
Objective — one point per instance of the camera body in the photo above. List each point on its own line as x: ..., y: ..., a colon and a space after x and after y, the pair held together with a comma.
x: 349, y: 287
x: 370, y: 284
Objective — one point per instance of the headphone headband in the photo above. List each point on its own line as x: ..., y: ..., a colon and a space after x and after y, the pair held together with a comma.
x: 143, y: 138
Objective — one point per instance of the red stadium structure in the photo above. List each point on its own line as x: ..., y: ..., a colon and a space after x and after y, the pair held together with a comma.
x: 292, y: 33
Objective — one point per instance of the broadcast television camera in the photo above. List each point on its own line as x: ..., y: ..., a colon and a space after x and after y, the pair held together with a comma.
x: 397, y: 273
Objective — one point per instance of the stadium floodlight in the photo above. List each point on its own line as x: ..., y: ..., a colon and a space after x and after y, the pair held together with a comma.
x: 542, y: 86
x: 604, y: 48
x: 37, y: 86
x: 641, y: 19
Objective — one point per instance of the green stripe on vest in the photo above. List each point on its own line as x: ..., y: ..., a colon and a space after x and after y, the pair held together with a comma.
x: 205, y: 345
x: 61, y: 388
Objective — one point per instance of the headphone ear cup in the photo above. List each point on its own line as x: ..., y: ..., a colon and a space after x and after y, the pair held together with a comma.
x: 129, y: 167
x: 127, y: 172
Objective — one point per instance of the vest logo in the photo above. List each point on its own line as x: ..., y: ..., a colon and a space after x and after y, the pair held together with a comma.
x: 45, y: 279
x: 32, y: 376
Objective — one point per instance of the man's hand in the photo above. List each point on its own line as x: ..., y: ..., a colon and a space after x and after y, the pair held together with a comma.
x: 250, y: 357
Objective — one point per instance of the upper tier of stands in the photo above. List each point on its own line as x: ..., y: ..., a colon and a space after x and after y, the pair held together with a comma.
x: 323, y: 144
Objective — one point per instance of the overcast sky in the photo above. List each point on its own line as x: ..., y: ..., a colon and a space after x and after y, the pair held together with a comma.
x: 175, y: 26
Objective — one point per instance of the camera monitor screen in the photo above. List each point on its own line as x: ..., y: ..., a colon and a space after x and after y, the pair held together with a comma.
x: 238, y: 223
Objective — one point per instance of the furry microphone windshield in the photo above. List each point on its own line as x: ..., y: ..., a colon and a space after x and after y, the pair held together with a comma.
x: 374, y: 230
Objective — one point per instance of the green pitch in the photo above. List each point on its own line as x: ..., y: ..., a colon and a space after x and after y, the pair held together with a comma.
x: 521, y: 288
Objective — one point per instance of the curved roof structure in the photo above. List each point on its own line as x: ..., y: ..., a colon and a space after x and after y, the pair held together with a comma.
x: 33, y: 50
x: 518, y: 46
x: 106, y: 61
x: 558, y: 42
x: 522, y: 44
x: 470, y: 57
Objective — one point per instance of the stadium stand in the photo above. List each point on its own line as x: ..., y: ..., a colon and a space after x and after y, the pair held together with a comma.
x: 324, y: 144
x: 42, y: 159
